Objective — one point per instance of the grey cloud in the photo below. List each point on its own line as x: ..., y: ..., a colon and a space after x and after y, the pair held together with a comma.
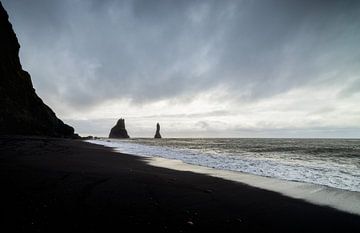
x: 323, y: 110
x: 293, y: 45
x: 144, y: 51
x: 203, y: 125
x: 191, y: 115
x: 351, y: 89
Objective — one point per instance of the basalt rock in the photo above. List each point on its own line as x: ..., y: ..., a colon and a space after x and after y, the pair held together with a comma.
x: 119, y: 130
x: 22, y: 112
x: 157, y: 134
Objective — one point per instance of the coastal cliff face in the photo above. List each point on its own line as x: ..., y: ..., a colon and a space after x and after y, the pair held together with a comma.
x: 22, y: 111
x: 119, y: 130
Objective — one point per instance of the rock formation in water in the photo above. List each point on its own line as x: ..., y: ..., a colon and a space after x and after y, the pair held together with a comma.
x: 119, y: 130
x: 157, y: 134
x: 22, y: 112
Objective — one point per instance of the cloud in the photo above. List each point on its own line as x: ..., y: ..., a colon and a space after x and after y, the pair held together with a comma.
x: 84, y: 55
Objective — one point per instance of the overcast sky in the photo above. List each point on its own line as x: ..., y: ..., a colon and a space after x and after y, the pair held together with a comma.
x: 201, y: 68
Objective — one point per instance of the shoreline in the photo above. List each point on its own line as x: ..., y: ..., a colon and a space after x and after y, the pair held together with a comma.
x: 58, y: 185
x: 335, y: 172
x: 344, y: 200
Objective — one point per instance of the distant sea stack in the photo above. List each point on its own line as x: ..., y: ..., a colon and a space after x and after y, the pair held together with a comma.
x: 22, y: 112
x: 119, y: 130
x: 157, y: 134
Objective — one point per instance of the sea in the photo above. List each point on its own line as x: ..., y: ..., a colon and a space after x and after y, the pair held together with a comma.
x: 329, y: 162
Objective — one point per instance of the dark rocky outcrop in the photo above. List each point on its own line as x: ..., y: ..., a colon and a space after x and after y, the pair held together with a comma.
x: 157, y: 134
x: 119, y: 131
x: 22, y: 112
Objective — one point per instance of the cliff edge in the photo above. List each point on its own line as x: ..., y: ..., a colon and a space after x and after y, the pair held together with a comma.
x: 22, y: 111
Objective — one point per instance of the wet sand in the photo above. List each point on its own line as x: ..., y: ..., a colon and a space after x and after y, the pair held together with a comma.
x: 58, y: 185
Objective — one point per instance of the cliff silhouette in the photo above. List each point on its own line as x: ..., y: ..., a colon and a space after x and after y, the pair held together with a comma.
x: 22, y: 111
x: 119, y: 130
x: 157, y: 134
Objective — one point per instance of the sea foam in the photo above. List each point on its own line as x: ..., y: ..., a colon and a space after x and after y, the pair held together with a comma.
x: 269, y: 174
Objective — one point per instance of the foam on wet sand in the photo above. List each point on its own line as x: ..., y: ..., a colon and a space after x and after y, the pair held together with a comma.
x: 344, y: 200
x: 57, y: 185
x: 347, y: 201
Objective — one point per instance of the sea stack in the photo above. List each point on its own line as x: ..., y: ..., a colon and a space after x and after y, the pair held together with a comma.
x: 157, y: 134
x: 22, y: 111
x: 119, y: 130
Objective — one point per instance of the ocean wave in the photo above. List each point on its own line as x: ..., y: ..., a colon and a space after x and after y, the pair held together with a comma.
x: 272, y: 158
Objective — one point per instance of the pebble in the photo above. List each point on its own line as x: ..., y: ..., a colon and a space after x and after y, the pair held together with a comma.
x: 208, y: 191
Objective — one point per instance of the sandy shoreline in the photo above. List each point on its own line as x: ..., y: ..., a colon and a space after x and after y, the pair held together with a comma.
x: 57, y: 185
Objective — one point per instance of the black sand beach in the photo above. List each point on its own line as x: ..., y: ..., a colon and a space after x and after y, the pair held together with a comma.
x: 59, y: 185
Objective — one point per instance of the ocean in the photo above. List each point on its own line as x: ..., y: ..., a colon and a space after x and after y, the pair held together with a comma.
x: 329, y: 162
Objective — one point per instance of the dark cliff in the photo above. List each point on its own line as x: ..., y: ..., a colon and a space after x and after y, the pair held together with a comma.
x: 119, y: 130
x: 22, y: 111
